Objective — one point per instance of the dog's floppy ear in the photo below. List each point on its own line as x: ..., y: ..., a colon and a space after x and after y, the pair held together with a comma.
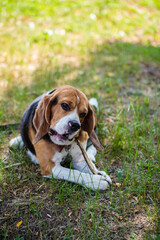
x: 41, y: 120
x: 89, y: 125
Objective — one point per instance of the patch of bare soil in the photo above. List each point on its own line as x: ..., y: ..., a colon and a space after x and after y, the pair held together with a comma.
x: 150, y: 71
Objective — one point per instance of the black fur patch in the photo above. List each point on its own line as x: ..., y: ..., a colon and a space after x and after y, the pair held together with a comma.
x: 52, y: 91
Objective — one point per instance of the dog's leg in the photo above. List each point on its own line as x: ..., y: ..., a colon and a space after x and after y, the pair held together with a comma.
x: 91, y: 181
x: 78, y: 161
x: 94, y: 182
x: 91, y: 152
x: 80, y: 164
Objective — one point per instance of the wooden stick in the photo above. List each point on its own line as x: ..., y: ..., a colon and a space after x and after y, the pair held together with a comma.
x: 86, y: 157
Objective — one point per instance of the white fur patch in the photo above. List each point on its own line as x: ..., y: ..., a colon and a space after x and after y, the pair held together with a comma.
x: 62, y: 127
x: 62, y: 124
x: 91, y: 181
x: 59, y: 156
x: 91, y: 152
x: 16, y: 142
x: 79, y: 162
x: 93, y: 102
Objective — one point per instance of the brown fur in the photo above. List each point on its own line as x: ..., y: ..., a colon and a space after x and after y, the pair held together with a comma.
x: 83, y: 136
x: 44, y: 153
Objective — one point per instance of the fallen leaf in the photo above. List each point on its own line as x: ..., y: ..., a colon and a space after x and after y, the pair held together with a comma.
x: 115, y: 229
x: 129, y: 195
x: 19, y: 224
x: 110, y: 120
x: 7, y: 215
x: 15, y: 192
x: 136, y: 199
x: 118, y: 184
x: 120, y: 217
x: 76, y: 229
x: 110, y: 74
x: 128, y: 120
x: 113, y: 161
x: 69, y: 214
x: 101, y: 228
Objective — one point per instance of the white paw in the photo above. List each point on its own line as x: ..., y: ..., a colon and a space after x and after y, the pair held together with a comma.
x: 97, y: 182
x: 106, y: 177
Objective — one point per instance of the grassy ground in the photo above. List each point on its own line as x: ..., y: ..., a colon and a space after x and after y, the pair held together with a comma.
x: 110, y: 50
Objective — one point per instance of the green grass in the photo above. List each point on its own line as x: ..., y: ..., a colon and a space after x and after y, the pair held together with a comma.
x: 109, y: 50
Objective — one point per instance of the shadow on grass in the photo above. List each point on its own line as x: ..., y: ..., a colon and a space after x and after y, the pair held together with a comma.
x: 109, y: 68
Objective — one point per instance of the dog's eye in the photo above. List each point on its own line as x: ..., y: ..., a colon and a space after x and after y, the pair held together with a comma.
x: 65, y: 106
x: 82, y: 115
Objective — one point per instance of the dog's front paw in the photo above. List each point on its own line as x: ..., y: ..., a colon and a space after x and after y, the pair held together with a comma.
x: 105, y: 176
x: 98, y: 183
x: 95, y: 182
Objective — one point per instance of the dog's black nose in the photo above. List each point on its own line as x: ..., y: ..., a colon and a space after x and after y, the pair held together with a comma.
x: 74, y: 125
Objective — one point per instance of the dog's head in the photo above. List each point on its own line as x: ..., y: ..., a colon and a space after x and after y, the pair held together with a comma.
x: 63, y: 114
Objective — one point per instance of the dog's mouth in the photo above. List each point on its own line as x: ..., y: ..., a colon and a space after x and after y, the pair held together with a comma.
x: 61, y: 137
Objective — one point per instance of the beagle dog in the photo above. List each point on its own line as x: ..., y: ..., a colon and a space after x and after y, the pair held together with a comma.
x: 49, y: 128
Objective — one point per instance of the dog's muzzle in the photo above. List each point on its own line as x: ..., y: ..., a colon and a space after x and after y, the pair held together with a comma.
x: 73, y: 126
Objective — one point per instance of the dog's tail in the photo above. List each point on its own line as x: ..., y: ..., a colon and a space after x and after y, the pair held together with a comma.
x: 94, y: 103
x: 16, y: 142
